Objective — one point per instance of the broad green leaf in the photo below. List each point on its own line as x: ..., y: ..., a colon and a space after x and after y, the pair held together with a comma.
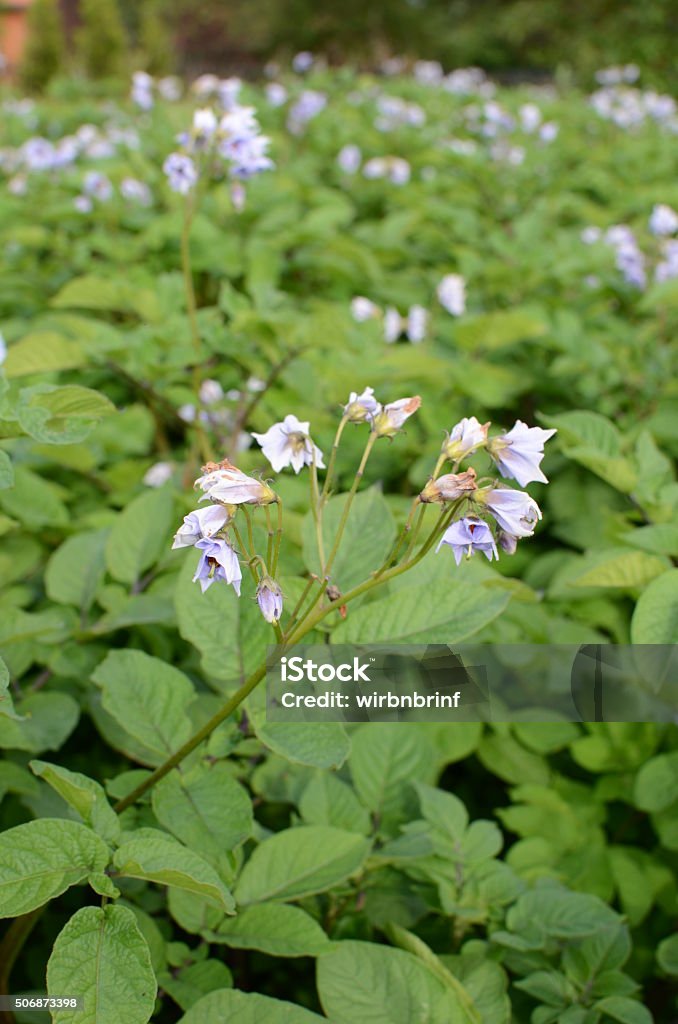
x: 205, y: 808
x: 660, y: 539
x: 109, y: 294
x: 6, y: 471
x: 6, y: 703
x: 229, y: 1006
x: 491, y: 331
x: 317, y: 744
x: 655, y: 619
x: 385, y: 760
x: 442, y: 810
x: 61, y: 414
x: 148, y: 698
x: 329, y: 801
x: 299, y: 862
x: 621, y: 569
x: 102, y: 956
x: 33, y: 501
x: 156, y: 857
x: 42, y: 352
x: 508, y: 759
x: 667, y: 955
x: 559, y: 913
x: 76, y: 569
x: 278, y: 929
x: 656, y: 784
x: 191, y: 983
x: 84, y: 795
x: 43, y: 858
x: 45, y: 721
x: 373, y: 984
x: 139, y: 535
x: 625, y: 1011
x: 366, y: 541
x: 420, y: 613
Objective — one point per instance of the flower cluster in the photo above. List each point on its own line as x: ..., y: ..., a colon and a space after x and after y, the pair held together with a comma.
x: 451, y: 293
x: 627, y: 107
x: 630, y: 259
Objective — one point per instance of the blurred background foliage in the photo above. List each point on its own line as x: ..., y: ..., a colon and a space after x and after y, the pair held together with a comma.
x: 510, y: 37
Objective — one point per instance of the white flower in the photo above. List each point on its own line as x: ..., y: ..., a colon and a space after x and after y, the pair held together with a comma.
x: 350, y: 158
x: 211, y: 391
x: 255, y: 384
x: 389, y: 418
x: 201, y: 523
x: 393, y: 325
x: 548, y: 132
x: 288, y: 444
x: 361, y: 407
x: 181, y: 173
x: 399, y: 171
x: 515, y: 511
x: 465, y: 436
x: 224, y: 482
x: 519, y: 452
x: 451, y: 293
x: 169, y: 88
x: 663, y: 220
x: 375, y: 168
x: 158, y: 474
x: 204, y: 124
x: 590, y: 235
x: 276, y: 94
x: 270, y: 599
x: 218, y: 561
x: 417, y: 320
x: 530, y: 117
x: 363, y: 309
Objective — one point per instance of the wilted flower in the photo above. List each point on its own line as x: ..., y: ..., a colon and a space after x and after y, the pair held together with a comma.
x: 349, y: 158
x: 181, y: 173
x: 663, y: 220
x: 451, y: 294
x: 361, y: 407
x: 288, y: 444
x: 200, y: 524
x: 218, y: 561
x: 417, y: 320
x: 468, y: 535
x: 390, y: 418
x: 393, y: 325
x: 519, y: 452
x: 464, y: 438
x: 450, y: 487
x: 269, y: 599
x: 515, y: 511
x: 363, y: 309
x: 224, y: 482
x: 157, y: 474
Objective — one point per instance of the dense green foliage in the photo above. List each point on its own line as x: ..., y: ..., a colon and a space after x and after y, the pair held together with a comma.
x: 102, y: 43
x: 393, y: 874
x: 45, y: 50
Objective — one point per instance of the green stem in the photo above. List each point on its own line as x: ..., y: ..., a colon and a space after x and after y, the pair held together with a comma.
x: 13, y: 942
x: 333, y: 459
x: 304, y: 594
x: 349, y: 501
x: 278, y: 538
x: 316, y: 511
x: 269, y: 544
x: 245, y: 553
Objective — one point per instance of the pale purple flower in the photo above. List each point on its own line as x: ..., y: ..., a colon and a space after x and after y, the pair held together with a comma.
x: 38, y: 154
x: 507, y: 542
x: 288, y: 444
x: 361, y: 407
x: 417, y: 321
x: 204, y: 125
x: 211, y: 391
x: 248, y: 156
x: 302, y: 62
x: 465, y: 437
x: 270, y: 599
x: 548, y: 132
x: 515, y: 511
x: 3, y: 349
x: 389, y: 418
x: 158, y: 474
x: 530, y: 117
x: 170, y: 88
x: 663, y: 220
x: 276, y: 94
x: 181, y: 173
x: 393, y: 325
x: 18, y: 185
x: 519, y: 452
x: 375, y: 168
x: 308, y: 106
x: 200, y: 524
x: 590, y: 235
x: 399, y: 171
x: 83, y: 204
x: 142, y: 90
x: 228, y: 91
x: 451, y: 292
x: 255, y: 384
x: 467, y: 536
x: 349, y: 158
x: 98, y: 186
x: 218, y: 561
x: 667, y: 268
x: 224, y: 482
x: 363, y: 309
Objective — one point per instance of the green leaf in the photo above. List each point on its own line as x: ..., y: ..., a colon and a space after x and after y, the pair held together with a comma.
x: 329, y: 801
x: 205, y: 808
x: 492, y: 331
x: 76, y: 569
x: 45, y: 721
x: 34, y: 501
x: 621, y: 569
x: 443, y: 810
x: 229, y: 1006
x: 139, y: 535
x: 626, y: 1011
x: 299, y: 862
x: 318, y: 744
x: 656, y: 784
x: 277, y: 929
x: 6, y: 471
x: 102, y: 956
x: 156, y: 857
x: 148, y: 698
x: 660, y: 539
x: 6, y: 703
x: 655, y: 619
x: 84, y: 795
x: 418, y: 614
x: 42, y: 352
x: 108, y: 294
x: 367, y: 538
x: 595, y: 442
x: 385, y: 759
x: 191, y: 983
x: 559, y: 913
x: 61, y: 415
x: 41, y: 859
x: 508, y: 759
x: 362, y: 981
x: 667, y: 955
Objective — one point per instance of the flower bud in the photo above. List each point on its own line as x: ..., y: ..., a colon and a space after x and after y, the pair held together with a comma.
x: 464, y: 438
x: 450, y: 487
x: 361, y: 407
x: 269, y: 599
x: 390, y: 418
x: 507, y: 542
